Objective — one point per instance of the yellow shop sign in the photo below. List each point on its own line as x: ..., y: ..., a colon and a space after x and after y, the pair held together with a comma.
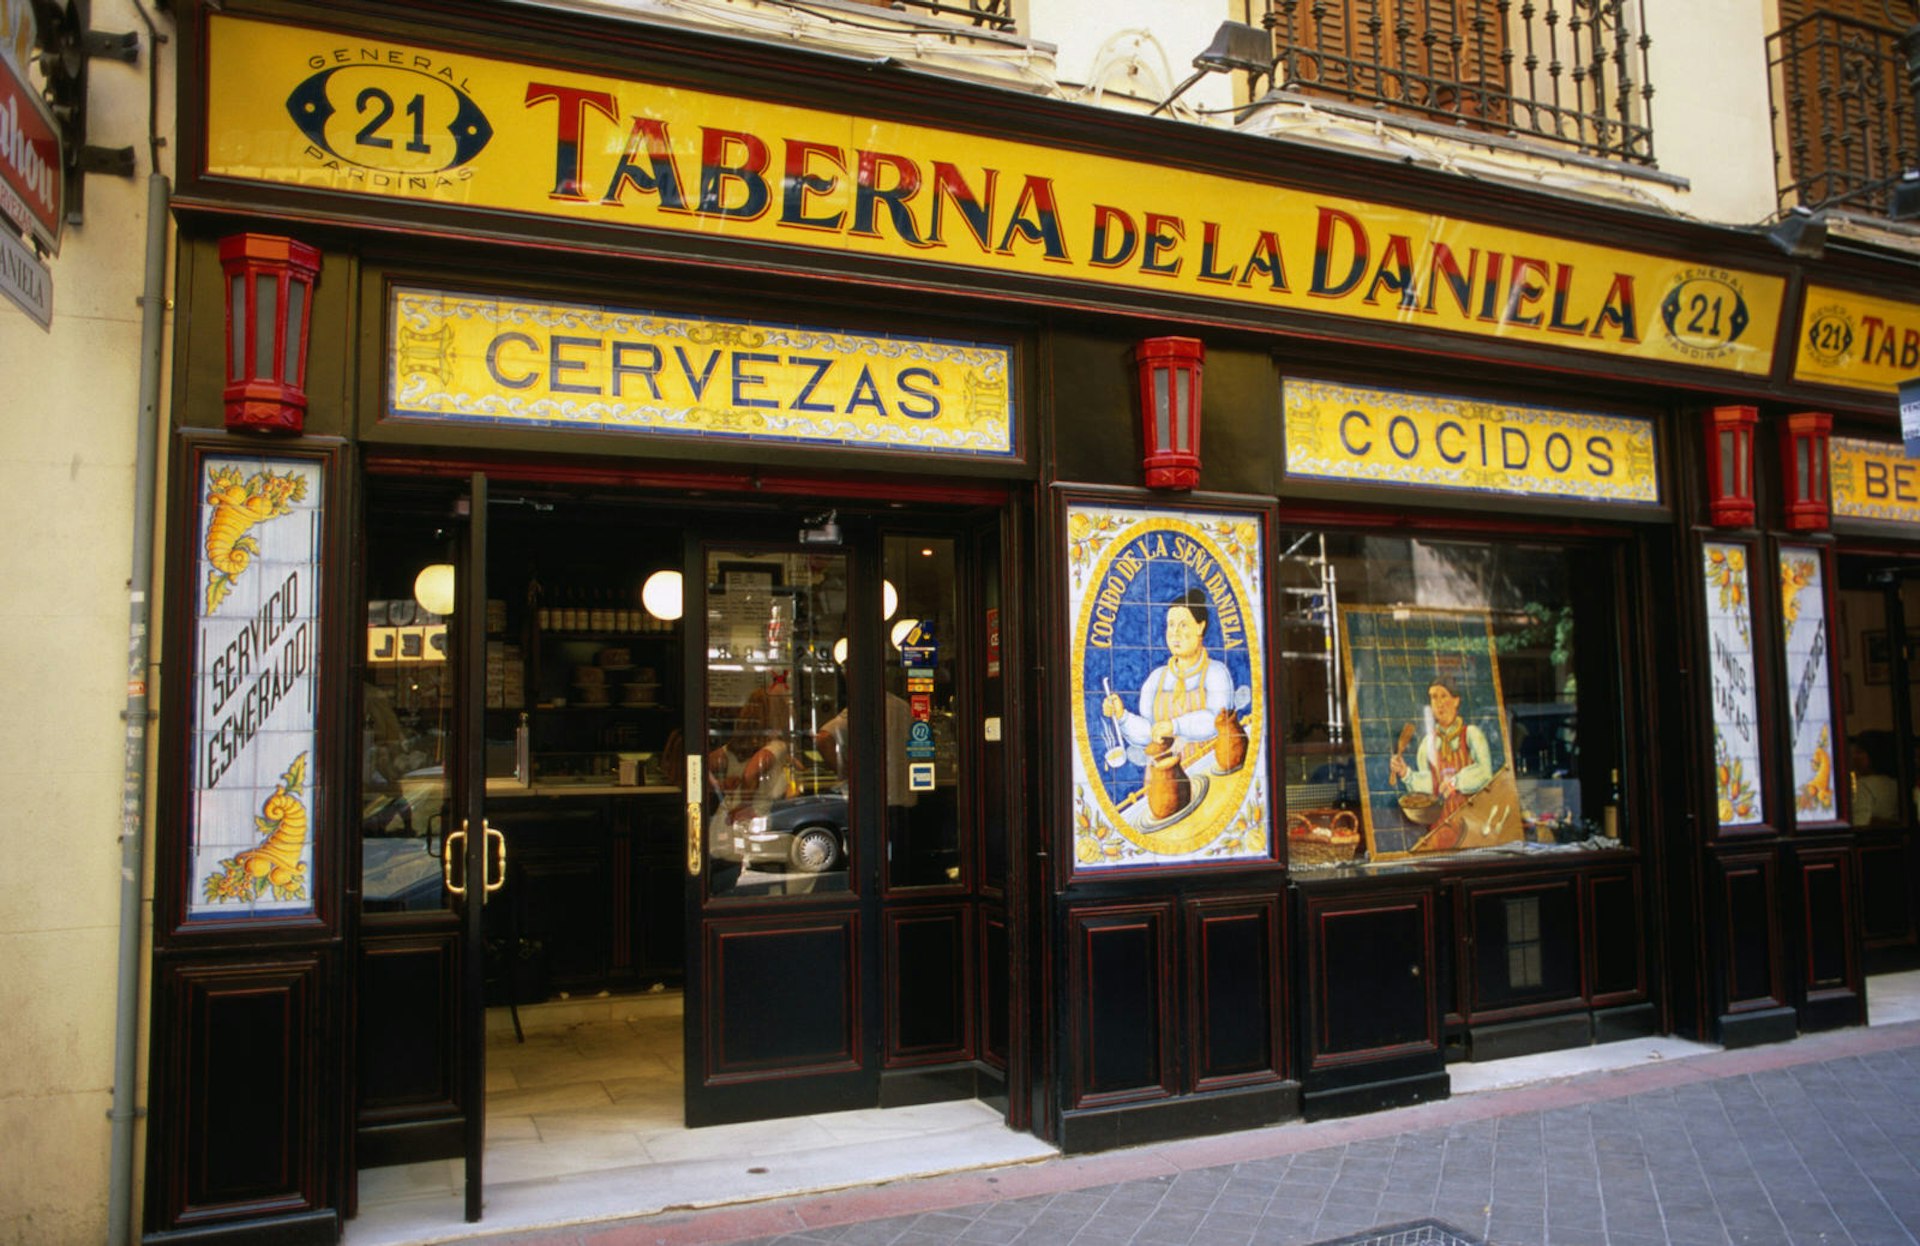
x: 472, y: 359
x: 1856, y: 340
x: 1336, y: 432
x: 366, y: 116
x: 1873, y: 480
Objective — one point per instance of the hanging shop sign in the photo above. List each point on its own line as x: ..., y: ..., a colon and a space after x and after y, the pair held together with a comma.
x: 26, y: 282
x: 1873, y: 480
x: 1336, y: 432
x: 256, y: 606
x: 1736, y: 716
x: 1803, y: 613
x: 478, y: 360
x: 1169, y: 702
x: 1856, y: 341
x: 366, y: 116
x: 32, y: 179
x: 1910, y: 416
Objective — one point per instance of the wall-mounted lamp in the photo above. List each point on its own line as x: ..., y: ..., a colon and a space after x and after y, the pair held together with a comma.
x: 269, y: 294
x: 433, y: 588
x: 1235, y: 45
x: 1801, y: 233
x: 664, y: 595
x: 1905, y: 204
x: 1170, y: 409
x: 1803, y: 469
x: 1730, y: 466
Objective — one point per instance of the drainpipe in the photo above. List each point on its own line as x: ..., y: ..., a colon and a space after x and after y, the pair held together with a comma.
x: 133, y: 792
x: 133, y: 785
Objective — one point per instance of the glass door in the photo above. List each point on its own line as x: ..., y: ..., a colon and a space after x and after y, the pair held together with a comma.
x: 428, y: 862
x: 784, y: 798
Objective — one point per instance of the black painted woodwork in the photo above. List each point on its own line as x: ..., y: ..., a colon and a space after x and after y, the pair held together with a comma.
x: 785, y: 996
x: 246, y: 1112
x: 1184, y: 1116
x: 560, y: 892
x: 1886, y: 889
x: 594, y: 891
x: 1119, y: 976
x: 406, y: 1029
x: 1615, y: 938
x: 1374, y: 970
x: 1369, y: 1021
x: 1553, y: 956
x: 996, y: 989
x: 1752, y: 1002
x: 1830, y: 990
x: 242, y: 1132
x: 927, y: 1007
x: 1233, y: 977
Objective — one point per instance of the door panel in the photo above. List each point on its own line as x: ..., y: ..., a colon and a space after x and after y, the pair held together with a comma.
x: 783, y: 804
x: 420, y: 1055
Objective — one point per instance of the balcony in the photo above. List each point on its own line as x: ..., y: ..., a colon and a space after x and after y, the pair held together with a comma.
x: 1843, y: 119
x: 1570, y: 72
x: 986, y: 14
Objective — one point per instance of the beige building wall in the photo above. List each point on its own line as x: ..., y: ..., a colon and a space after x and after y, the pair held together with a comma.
x: 1711, y: 123
x: 67, y: 423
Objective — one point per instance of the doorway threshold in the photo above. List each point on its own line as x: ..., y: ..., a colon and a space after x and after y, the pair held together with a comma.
x: 585, y: 1124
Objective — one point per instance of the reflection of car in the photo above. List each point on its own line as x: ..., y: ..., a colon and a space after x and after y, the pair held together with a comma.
x: 805, y: 833
x: 400, y: 830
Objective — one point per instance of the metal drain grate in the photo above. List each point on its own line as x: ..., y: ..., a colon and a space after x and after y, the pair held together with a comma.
x: 1417, y: 1233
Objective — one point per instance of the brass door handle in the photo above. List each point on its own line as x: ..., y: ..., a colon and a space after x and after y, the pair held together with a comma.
x: 496, y: 841
x: 447, y: 872
x: 696, y: 855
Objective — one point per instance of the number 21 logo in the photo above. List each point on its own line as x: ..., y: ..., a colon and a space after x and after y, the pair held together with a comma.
x: 390, y: 118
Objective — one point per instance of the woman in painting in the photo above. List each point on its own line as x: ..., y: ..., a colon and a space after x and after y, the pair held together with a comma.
x: 1182, y: 700
x: 1454, y: 763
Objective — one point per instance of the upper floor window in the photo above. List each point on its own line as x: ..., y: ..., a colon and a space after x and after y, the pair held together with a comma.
x: 1573, y: 72
x: 1843, y: 117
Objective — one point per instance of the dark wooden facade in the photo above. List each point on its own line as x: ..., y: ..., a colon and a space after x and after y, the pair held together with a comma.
x: 1101, y: 1011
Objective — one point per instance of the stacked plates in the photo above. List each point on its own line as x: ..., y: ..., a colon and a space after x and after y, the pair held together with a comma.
x: 589, y: 685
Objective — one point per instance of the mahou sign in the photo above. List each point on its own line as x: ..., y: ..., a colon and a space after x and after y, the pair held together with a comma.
x: 32, y: 190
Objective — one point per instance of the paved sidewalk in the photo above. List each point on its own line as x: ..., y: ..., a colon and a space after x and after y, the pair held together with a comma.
x: 1814, y: 1141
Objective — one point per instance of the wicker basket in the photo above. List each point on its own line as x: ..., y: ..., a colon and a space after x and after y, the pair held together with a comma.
x: 1322, y: 836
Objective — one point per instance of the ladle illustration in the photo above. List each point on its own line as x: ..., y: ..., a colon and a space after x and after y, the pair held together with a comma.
x: 1110, y: 732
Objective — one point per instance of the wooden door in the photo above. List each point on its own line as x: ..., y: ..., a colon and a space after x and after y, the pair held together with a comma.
x: 427, y: 861
x: 782, y: 821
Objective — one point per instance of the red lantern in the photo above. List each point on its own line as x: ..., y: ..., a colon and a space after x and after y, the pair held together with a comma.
x: 1730, y: 466
x: 1170, y: 409
x: 269, y: 294
x: 1803, y: 469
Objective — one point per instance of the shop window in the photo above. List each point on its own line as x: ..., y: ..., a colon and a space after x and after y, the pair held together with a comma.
x: 1447, y: 697
x: 1877, y: 639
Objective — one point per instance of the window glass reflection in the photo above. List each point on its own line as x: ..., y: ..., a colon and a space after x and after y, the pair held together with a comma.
x: 777, y: 813
x: 406, y: 730
x: 922, y: 752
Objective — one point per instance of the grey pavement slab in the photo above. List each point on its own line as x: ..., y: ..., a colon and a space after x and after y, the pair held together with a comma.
x: 1813, y: 1141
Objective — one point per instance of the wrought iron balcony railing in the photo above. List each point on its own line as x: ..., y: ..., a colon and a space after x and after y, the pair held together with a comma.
x: 1573, y: 72
x: 996, y: 15
x: 1843, y: 121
